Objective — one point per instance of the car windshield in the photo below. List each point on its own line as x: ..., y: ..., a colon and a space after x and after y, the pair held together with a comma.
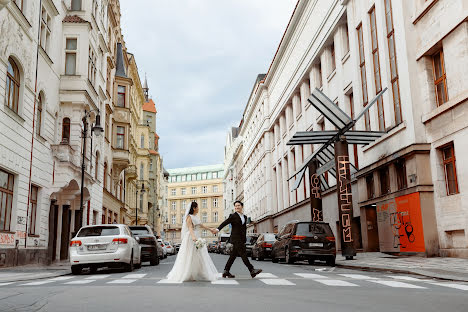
x: 269, y: 237
x: 99, y: 231
x: 139, y: 230
x: 307, y: 229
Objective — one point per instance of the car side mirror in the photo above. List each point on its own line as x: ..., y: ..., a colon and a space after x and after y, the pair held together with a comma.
x: 137, y: 239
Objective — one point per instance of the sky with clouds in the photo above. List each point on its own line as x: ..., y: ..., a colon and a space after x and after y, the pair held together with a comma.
x: 201, y: 58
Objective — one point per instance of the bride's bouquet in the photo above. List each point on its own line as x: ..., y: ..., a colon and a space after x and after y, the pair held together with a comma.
x: 200, y: 243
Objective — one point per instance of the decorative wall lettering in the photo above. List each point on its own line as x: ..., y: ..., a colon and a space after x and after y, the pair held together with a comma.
x: 315, y: 187
x: 345, y: 196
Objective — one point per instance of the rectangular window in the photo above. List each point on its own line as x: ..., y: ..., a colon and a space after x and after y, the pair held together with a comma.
x: 173, y: 205
x: 173, y: 219
x: 45, y: 30
x: 204, y: 189
x: 194, y: 177
x: 215, y: 175
x: 76, y: 5
x: 183, y: 191
x: 204, y: 233
x: 6, y: 200
x: 215, y: 216
x: 384, y: 181
x: 70, y: 56
x: 92, y: 69
x: 184, y: 204
x: 392, y: 60
x: 103, y: 217
x: 400, y: 169
x: 106, y: 129
x: 120, y: 137
x: 450, y: 169
x: 173, y: 192
x: 215, y: 189
x: 377, y: 78
x: 370, y: 186
x: 109, y: 79
x: 351, y: 111
x: 203, y: 176
x: 141, y: 202
x: 33, y: 210
x: 440, y: 81
x: 362, y: 69
x: 121, y: 90
x: 204, y: 203
x: 333, y: 61
x: 319, y: 68
x: 194, y: 190
x: 215, y: 202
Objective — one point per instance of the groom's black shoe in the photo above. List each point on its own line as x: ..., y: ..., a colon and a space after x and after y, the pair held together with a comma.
x: 227, y: 274
x: 255, y: 272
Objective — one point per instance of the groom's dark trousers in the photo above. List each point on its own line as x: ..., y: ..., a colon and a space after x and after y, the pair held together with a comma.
x: 237, y: 239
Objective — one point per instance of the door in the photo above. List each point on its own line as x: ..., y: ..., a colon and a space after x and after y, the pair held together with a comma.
x: 372, y: 229
x: 65, y: 239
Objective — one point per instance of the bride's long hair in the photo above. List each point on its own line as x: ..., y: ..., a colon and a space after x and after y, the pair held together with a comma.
x: 193, y: 205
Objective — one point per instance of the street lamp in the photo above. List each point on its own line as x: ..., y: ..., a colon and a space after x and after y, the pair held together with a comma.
x: 97, y: 129
x: 136, y: 200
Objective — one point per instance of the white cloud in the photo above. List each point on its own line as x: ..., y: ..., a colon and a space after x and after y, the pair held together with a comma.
x: 201, y: 58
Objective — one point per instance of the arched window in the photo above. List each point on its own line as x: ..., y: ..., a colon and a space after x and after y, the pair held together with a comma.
x: 105, y: 175
x: 142, y: 141
x: 142, y: 168
x: 13, y: 85
x: 66, y: 130
x: 96, y: 165
x: 39, y: 115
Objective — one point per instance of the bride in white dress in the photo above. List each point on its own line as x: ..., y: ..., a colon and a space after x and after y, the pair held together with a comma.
x: 192, y: 263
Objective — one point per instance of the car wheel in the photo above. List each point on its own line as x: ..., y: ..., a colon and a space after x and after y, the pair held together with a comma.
x: 273, y: 258
x: 331, y: 261
x: 154, y: 261
x: 311, y: 261
x: 76, y: 269
x: 93, y: 269
x: 129, y: 267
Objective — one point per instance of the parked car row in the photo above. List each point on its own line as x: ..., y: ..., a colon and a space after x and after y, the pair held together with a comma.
x: 116, y: 245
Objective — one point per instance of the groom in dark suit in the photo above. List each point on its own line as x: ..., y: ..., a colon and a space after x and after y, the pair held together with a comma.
x: 238, y: 238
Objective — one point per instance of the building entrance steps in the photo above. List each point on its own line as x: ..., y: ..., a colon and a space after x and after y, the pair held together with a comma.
x: 437, y: 267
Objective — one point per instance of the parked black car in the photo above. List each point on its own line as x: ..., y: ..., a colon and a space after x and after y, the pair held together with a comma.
x: 305, y: 240
x: 250, y: 241
x: 262, y: 247
x: 147, y: 240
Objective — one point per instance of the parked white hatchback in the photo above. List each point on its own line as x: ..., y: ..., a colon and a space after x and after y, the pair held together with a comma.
x: 110, y: 245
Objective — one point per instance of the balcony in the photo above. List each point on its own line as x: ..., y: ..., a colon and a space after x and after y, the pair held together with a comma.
x: 65, y: 153
x: 120, y: 161
x: 131, y: 172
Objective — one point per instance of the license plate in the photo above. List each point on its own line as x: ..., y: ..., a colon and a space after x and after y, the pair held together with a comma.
x: 315, y: 244
x: 96, y: 247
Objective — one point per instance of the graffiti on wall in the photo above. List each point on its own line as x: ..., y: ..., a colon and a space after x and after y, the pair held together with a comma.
x: 7, y: 239
x: 400, y: 224
x: 346, y: 198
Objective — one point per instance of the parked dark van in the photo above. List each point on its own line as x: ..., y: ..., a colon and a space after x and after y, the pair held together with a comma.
x: 262, y: 247
x: 305, y: 240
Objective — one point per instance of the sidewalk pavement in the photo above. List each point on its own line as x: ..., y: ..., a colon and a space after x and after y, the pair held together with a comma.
x: 438, y: 267
x: 32, y: 272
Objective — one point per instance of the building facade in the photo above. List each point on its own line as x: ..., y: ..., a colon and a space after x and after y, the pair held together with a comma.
x: 63, y: 64
x: 351, y: 50
x: 203, y: 185
x: 233, y: 144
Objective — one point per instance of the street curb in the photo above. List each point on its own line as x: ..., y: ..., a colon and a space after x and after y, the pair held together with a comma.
x: 415, y: 272
x: 25, y: 279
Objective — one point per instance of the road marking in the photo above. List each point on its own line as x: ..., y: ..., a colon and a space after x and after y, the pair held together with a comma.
x: 166, y: 281
x: 266, y: 275
x: 61, y: 278
x: 404, y: 278
x: 122, y: 281
x: 397, y: 284
x: 80, y: 282
x: 277, y: 282
x: 310, y: 275
x: 225, y: 282
x: 37, y: 283
x: 132, y: 276
x: 452, y: 285
x: 97, y: 277
x: 358, y: 276
x: 4, y: 284
x: 329, y: 282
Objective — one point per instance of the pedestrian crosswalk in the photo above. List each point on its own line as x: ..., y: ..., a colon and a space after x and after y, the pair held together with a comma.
x: 300, y: 279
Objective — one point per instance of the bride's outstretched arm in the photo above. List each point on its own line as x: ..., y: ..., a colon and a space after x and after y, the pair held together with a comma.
x: 190, y: 227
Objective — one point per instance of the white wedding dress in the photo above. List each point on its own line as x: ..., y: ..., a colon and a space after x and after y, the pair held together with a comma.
x: 192, y: 263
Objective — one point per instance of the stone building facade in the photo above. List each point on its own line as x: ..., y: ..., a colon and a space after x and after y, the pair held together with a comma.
x: 203, y: 185
x: 351, y: 50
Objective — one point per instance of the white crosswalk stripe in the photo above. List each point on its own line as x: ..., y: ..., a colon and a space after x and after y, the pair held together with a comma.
x: 133, y: 276
x: 122, y: 281
x: 61, y: 278
x: 330, y: 282
x: 396, y: 284
x: 404, y: 278
x: 165, y: 281
x: 4, y: 284
x: 277, y: 282
x: 452, y: 285
x: 266, y: 275
x: 37, y: 283
x: 80, y: 282
x: 358, y: 276
x: 98, y: 277
x: 310, y: 275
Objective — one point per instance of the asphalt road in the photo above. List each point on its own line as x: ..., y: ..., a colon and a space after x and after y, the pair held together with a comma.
x: 298, y: 287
